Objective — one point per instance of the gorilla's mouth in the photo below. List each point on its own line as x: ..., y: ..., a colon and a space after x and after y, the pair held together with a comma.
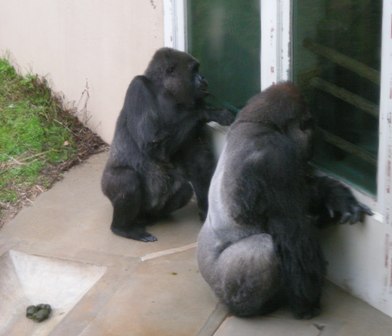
x: 203, y: 92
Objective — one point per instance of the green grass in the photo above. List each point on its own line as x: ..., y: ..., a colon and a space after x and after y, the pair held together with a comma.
x: 36, y: 134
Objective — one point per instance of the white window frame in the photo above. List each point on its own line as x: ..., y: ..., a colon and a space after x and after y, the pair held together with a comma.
x: 275, y: 55
x: 384, y: 181
x: 174, y: 24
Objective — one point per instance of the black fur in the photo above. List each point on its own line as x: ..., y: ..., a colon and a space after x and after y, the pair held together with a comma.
x: 259, y: 245
x: 161, y: 151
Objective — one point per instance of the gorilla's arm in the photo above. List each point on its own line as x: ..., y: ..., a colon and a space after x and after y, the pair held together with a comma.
x: 332, y: 202
x: 197, y: 161
x: 143, y: 121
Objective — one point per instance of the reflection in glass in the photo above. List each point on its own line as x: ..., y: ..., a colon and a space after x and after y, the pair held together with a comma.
x: 224, y: 35
x: 336, y: 61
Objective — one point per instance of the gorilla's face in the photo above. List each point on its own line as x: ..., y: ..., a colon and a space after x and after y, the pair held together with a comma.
x: 184, y: 81
x: 200, y: 83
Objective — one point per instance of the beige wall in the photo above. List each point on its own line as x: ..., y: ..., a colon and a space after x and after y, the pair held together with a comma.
x: 88, y: 49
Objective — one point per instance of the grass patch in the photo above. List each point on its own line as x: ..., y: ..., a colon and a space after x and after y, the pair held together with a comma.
x: 39, y: 139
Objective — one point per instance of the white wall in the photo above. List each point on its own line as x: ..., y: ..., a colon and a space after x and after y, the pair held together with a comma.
x: 88, y: 49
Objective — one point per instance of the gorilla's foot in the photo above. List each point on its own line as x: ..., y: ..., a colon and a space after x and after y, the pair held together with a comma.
x: 134, y: 233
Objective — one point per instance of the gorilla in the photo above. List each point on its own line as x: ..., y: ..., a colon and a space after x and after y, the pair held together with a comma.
x: 161, y: 152
x: 258, y: 247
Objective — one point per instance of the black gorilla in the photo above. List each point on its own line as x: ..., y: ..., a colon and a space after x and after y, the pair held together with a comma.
x: 258, y: 247
x: 161, y: 152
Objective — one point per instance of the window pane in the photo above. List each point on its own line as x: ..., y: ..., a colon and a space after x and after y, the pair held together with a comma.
x: 336, y: 61
x: 225, y: 36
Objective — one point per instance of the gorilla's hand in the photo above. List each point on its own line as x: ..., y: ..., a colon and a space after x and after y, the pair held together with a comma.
x: 342, y: 206
x: 350, y: 211
x: 223, y: 117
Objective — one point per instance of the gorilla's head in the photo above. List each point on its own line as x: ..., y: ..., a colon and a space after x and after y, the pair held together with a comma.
x: 283, y: 108
x: 178, y: 74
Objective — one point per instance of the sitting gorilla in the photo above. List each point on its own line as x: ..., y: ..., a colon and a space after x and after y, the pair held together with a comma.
x: 161, y: 151
x: 258, y: 247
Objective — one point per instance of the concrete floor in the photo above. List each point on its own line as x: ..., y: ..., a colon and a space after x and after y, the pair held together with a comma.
x: 60, y: 251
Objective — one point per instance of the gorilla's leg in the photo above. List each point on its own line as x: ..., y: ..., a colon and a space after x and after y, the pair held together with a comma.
x: 125, y: 222
x: 247, y: 276
x: 122, y: 187
x: 197, y: 160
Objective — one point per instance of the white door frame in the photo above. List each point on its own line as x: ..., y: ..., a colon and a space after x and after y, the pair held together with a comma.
x: 174, y: 22
x: 275, y: 56
x: 384, y: 180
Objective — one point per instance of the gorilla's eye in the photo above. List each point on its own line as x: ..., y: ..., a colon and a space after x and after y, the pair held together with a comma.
x: 195, y: 67
x: 170, y: 69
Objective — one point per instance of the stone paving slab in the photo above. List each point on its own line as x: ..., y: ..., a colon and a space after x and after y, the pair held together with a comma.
x: 342, y: 315
x: 165, y: 296
x: 267, y: 326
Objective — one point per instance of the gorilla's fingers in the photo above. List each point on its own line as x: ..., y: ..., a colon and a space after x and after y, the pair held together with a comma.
x: 345, y: 217
x: 366, y: 209
x: 331, y: 212
x: 136, y: 233
x: 226, y: 118
x: 356, y: 216
x: 359, y: 211
x: 147, y: 237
